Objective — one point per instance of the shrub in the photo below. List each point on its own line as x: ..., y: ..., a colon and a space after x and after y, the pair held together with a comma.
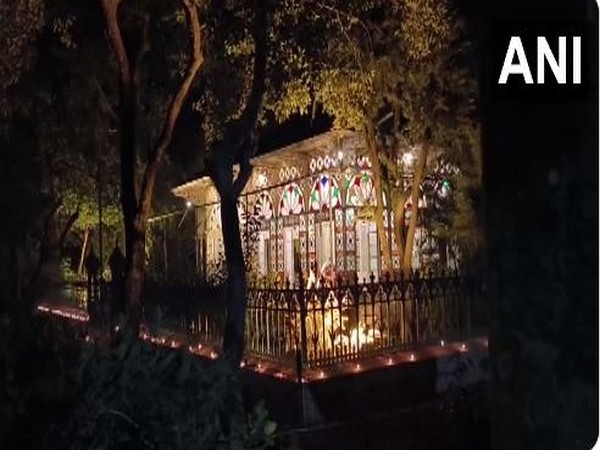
x: 141, y: 397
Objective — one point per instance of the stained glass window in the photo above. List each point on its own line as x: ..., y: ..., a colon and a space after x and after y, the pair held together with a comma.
x: 263, y: 208
x: 360, y: 190
x: 325, y: 194
x: 291, y: 201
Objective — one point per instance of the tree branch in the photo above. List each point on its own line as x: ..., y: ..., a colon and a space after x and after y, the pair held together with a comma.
x: 245, y: 171
x: 239, y: 129
x: 111, y: 9
x: 196, y: 60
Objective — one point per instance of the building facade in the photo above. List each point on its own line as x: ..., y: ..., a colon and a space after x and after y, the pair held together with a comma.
x: 306, y: 206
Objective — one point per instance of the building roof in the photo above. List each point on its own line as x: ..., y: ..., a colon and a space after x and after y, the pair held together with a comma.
x: 304, y: 149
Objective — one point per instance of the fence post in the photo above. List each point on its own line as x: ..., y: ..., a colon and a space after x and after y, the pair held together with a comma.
x: 302, y: 304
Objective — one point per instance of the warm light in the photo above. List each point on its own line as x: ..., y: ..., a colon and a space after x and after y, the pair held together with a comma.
x: 188, y: 204
x: 442, y: 343
x: 243, y: 364
x: 408, y: 158
x: 213, y: 355
x: 340, y: 155
x: 412, y: 356
x: 357, y: 368
x: 390, y: 361
x: 199, y: 346
x: 463, y: 347
x: 321, y: 374
x: 279, y: 375
x: 261, y: 180
x: 173, y: 344
x: 87, y: 339
x: 259, y: 368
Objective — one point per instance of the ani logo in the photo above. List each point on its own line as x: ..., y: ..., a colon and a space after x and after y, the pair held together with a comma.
x: 544, y: 55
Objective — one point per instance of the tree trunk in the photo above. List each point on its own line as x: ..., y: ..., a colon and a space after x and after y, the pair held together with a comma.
x: 541, y: 197
x: 399, y: 200
x: 384, y: 242
x: 137, y: 193
x: 135, y: 238
x: 235, y: 289
x: 83, y: 249
x: 414, y: 212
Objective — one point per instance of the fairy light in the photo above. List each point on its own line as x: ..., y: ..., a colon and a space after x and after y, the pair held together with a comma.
x: 463, y: 347
x: 390, y: 361
x: 357, y: 367
x: 412, y: 357
x: 243, y: 364
x: 321, y: 375
x: 442, y: 343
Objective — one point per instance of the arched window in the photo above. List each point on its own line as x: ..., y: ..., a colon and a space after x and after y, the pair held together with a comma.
x: 325, y: 194
x: 263, y: 207
x: 291, y: 201
x: 360, y: 190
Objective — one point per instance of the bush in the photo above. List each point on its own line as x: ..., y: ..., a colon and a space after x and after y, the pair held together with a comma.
x: 55, y: 395
x: 140, y: 397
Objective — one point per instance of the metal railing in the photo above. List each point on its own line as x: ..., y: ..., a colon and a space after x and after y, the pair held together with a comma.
x: 354, y: 320
x: 322, y: 326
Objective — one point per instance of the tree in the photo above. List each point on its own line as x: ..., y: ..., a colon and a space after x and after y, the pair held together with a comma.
x: 130, y: 44
x: 54, y: 135
x: 20, y: 24
x: 388, y: 60
x: 230, y: 137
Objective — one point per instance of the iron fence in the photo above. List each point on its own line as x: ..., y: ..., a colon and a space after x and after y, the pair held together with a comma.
x: 322, y: 326
x: 352, y: 320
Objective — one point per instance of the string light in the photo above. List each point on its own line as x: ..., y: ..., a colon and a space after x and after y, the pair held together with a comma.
x: 442, y: 343
x: 390, y: 361
x: 357, y: 367
x: 321, y: 374
x: 463, y: 347
x: 412, y: 357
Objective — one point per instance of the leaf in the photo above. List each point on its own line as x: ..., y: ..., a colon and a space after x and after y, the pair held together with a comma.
x: 270, y: 428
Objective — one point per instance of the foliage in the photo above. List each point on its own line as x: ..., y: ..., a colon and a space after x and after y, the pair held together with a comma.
x: 138, y: 396
x: 402, y: 69
x: 130, y: 396
x: 20, y: 23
